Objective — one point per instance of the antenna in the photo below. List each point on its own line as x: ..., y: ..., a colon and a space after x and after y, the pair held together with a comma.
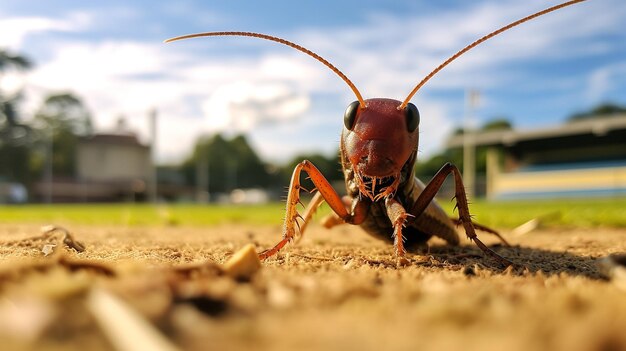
x: 479, y: 41
x: 281, y: 41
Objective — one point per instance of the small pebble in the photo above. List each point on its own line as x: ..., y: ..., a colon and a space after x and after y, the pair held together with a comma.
x: 243, y: 264
x: 613, y: 267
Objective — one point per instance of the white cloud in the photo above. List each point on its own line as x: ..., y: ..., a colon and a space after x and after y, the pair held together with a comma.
x: 603, y: 80
x: 13, y: 31
x: 406, y: 49
x: 385, y: 56
x: 129, y: 78
x: 241, y: 106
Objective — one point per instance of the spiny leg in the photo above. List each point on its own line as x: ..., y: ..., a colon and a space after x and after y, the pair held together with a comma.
x: 428, y: 194
x: 325, y: 190
x: 398, y: 216
x: 309, y: 211
x: 359, y: 209
x: 482, y: 228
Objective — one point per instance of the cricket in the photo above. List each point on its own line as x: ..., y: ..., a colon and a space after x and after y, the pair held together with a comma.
x: 378, y: 149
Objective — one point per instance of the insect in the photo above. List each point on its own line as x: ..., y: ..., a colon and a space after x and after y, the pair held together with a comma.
x: 378, y: 151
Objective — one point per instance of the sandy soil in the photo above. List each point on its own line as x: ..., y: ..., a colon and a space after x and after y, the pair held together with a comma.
x: 334, y: 290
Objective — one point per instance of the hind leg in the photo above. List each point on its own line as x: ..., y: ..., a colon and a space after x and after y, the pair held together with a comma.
x: 428, y: 194
x: 482, y: 228
x: 332, y: 219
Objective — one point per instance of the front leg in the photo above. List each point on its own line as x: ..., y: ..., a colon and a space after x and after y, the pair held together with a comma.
x: 325, y: 192
x: 398, y: 216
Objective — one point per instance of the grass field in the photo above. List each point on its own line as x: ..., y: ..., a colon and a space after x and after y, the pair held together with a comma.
x: 579, y: 213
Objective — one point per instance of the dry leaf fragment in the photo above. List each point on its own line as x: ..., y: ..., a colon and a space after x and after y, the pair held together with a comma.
x: 47, y: 249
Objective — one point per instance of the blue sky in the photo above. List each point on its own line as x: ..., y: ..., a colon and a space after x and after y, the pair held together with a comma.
x: 111, y: 54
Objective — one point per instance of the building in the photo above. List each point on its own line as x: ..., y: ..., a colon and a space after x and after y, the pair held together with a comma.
x: 113, y: 158
x: 110, y: 167
x: 577, y: 159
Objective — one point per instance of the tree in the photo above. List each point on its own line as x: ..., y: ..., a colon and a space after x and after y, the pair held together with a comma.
x: 425, y: 169
x: 61, y: 121
x: 65, y: 112
x: 500, y: 123
x: 8, y: 114
x: 330, y: 167
x: 251, y: 171
x: 12, y: 132
x: 428, y: 168
x: 230, y: 164
x: 9, y: 60
x: 15, y: 137
x: 602, y: 110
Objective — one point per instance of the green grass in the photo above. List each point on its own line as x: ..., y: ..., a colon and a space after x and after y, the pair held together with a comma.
x: 582, y: 213
x: 567, y: 213
x: 142, y: 214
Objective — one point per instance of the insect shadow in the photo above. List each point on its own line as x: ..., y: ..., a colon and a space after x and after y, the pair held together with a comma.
x: 527, y: 259
x: 465, y: 257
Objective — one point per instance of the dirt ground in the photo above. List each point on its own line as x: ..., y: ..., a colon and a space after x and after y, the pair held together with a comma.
x: 336, y: 289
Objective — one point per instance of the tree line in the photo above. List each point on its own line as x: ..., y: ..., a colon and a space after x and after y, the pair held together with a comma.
x: 26, y: 147
x: 233, y: 163
x: 46, y: 144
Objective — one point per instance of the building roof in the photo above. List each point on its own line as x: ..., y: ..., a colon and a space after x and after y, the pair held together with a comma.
x: 597, y: 126
x: 113, y: 139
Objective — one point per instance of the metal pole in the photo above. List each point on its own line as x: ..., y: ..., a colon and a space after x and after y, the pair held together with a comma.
x: 202, y: 173
x: 469, y: 147
x: 48, y: 175
x: 493, y: 170
x: 153, y: 168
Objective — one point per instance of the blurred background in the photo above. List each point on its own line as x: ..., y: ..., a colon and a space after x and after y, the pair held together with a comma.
x: 95, y: 108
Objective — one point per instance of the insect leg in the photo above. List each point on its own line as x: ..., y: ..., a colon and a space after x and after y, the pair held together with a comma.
x: 327, y: 193
x: 309, y: 211
x: 482, y: 228
x: 359, y: 209
x: 398, y: 216
x: 461, y: 201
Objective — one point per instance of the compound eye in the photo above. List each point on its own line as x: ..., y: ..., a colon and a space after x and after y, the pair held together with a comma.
x: 412, y: 117
x: 350, y: 115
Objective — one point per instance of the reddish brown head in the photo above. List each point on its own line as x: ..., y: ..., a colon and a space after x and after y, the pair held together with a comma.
x: 378, y: 140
